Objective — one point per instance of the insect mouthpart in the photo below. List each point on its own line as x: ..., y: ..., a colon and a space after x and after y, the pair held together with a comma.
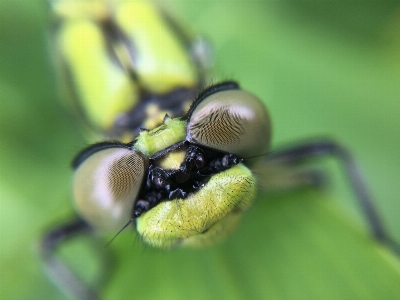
x: 198, y: 166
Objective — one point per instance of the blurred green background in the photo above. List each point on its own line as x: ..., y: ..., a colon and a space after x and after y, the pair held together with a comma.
x: 323, y: 69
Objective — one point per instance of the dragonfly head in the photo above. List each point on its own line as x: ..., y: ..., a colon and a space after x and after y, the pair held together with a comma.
x: 184, y: 182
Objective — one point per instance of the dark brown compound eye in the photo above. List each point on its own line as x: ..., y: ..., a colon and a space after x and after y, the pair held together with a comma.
x: 106, y: 185
x: 232, y: 121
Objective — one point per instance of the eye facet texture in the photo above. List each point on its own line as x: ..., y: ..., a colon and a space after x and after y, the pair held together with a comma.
x: 232, y: 121
x: 106, y: 185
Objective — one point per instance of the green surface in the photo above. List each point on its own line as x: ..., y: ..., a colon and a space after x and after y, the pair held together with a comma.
x: 323, y: 69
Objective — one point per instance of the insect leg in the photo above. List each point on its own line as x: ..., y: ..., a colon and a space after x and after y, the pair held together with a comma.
x: 322, y: 148
x: 57, y: 270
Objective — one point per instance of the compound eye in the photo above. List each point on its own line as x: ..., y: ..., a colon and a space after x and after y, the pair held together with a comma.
x: 106, y: 184
x: 232, y: 121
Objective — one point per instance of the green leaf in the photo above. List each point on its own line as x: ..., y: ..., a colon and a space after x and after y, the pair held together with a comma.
x: 329, y: 69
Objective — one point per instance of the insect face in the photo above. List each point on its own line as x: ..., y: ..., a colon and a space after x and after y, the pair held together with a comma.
x: 184, y: 182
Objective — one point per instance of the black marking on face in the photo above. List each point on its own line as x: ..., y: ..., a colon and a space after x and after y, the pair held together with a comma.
x: 199, y: 165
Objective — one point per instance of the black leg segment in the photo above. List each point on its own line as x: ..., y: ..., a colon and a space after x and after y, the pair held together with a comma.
x: 58, y: 271
x: 304, y: 152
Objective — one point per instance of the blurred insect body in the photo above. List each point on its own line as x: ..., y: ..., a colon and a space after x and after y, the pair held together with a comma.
x: 186, y: 179
x: 124, y: 62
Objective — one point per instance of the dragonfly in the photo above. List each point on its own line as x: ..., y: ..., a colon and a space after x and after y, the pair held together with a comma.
x: 181, y: 159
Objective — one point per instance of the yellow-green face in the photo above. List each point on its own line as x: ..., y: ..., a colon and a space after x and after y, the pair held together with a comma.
x: 202, y: 218
x: 205, y: 215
